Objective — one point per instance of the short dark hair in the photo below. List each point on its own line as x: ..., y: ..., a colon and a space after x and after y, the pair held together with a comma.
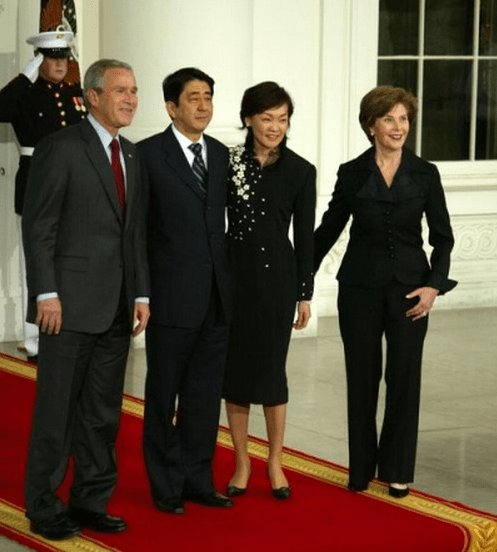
x: 379, y: 101
x: 174, y: 84
x: 263, y: 96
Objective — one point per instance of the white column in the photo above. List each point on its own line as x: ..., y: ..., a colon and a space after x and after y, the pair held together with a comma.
x: 348, y: 71
x: 88, y: 34
x: 158, y: 37
x: 238, y: 42
x: 11, y: 313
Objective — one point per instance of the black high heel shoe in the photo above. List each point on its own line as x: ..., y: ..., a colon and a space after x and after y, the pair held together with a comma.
x: 232, y: 491
x: 281, y: 493
x: 358, y: 487
x: 398, y: 493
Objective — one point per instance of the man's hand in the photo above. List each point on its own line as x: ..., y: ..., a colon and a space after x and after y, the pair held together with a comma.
x: 303, y: 315
x: 49, y: 315
x: 141, y: 315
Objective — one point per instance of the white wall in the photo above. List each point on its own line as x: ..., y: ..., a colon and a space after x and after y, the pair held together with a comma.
x: 324, y: 53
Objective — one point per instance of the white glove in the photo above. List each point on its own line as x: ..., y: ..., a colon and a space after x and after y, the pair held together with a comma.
x: 32, y: 68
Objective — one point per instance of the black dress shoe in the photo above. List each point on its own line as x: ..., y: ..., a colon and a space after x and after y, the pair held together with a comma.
x: 232, y: 491
x: 97, y: 521
x: 398, y: 493
x: 358, y: 487
x: 215, y: 499
x: 33, y: 359
x: 172, y: 505
x: 282, y: 493
x: 57, y: 527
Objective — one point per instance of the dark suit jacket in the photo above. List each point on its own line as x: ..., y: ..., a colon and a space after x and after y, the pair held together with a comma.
x: 385, y: 236
x: 186, y: 231
x: 75, y: 239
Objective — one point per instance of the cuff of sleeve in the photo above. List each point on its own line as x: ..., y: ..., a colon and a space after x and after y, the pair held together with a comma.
x: 43, y: 296
x: 443, y: 285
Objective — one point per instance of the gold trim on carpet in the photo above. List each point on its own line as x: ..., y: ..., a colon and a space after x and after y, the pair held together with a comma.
x: 482, y: 530
x: 19, y: 367
x: 13, y: 518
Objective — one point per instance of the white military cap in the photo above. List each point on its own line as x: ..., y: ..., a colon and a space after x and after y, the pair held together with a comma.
x: 55, y: 44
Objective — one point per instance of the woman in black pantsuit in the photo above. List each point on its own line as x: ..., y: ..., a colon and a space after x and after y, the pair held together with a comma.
x: 387, y: 287
x: 270, y: 187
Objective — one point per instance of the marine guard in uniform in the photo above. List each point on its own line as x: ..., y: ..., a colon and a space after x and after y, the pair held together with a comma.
x: 38, y: 102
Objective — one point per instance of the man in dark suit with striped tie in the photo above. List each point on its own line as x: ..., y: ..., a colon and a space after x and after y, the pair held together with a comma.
x: 184, y: 173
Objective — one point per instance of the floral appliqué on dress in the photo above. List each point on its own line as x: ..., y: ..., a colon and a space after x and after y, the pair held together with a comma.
x: 245, y: 172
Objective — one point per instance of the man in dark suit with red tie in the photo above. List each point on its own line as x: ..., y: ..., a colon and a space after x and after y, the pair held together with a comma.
x: 184, y: 176
x: 88, y: 285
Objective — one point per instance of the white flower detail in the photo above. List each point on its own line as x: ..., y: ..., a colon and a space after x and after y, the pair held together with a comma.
x: 239, y: 168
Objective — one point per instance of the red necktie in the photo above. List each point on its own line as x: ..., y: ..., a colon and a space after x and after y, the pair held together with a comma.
x: 118, y: 173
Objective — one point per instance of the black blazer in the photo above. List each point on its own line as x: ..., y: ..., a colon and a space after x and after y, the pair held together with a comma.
x: 385, y: 236
x: 76, y: 241
x: 185, y: 231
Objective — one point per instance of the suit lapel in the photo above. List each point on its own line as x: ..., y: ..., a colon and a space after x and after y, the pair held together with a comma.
x: 176, y: 159
x: 215, y: 167
x: 131, y: 185
x: 98, y: 157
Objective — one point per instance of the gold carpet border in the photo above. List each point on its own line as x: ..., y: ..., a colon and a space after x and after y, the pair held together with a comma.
x: 18, y: 367
x: 14, y: 519
x: 482, y: 530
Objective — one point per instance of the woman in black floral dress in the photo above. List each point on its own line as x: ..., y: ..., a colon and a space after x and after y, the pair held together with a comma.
x: 270, y: 187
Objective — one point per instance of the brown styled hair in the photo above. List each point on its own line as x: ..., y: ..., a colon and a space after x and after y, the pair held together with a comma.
x: 379, y: 101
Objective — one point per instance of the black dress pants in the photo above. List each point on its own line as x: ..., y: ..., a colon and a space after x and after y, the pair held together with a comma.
x: 365, y: 316
x: 185, y: 368
x: 78, y: 404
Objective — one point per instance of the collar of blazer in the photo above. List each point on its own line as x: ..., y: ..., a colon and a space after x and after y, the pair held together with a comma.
x: 412, y: 177
x: 177, y: 161
x: 99, y: 159
x: 410, y: 162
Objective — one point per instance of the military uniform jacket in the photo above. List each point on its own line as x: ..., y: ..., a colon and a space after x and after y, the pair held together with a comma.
x: 36, y: 110
x: 386, y: 240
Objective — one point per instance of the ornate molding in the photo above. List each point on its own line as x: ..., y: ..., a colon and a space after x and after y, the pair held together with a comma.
x: 475, y: 239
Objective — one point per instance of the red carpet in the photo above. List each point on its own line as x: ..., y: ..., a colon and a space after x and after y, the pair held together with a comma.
x: 320, y: 516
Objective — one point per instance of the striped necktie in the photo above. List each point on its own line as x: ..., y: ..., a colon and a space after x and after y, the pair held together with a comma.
x: 199, y: 168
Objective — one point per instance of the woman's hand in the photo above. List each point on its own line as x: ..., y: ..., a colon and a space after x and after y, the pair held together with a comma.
x: 303, y: 315
x: 427, y: 296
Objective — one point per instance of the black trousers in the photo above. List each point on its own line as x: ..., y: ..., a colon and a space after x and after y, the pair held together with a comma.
x: 78, y: 405
x: 365, y: 316
x: 185, y: 367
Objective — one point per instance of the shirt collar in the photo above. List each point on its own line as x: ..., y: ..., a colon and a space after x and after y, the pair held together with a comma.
x: 184, y: 141
x: 104, y: 135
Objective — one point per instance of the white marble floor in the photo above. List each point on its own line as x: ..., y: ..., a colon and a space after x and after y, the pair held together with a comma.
x: 457, y: 450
